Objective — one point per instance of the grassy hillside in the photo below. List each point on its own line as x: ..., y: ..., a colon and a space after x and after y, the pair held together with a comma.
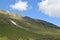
x: 26, y: 28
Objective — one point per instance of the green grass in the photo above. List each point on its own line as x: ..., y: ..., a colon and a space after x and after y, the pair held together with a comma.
x: 8, y: 31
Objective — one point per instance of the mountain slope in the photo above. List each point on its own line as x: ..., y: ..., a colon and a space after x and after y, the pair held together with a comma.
x: 17, y: 27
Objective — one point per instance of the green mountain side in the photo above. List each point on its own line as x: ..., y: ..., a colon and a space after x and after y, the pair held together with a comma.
x: 14, y: 26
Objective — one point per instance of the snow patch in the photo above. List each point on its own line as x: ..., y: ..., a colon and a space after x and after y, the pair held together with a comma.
x: 13, y: 22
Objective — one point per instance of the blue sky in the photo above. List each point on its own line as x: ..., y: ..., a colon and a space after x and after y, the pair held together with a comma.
x: 32, y: 10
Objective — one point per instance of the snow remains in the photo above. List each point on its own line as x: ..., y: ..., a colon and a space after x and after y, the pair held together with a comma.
x: 13, y: 22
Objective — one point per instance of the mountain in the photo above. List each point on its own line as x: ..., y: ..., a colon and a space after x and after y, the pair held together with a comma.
x: 14, y: 26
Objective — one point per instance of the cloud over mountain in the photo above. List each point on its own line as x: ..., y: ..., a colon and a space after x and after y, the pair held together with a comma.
x: 20, y: 5
x: 50, y: 7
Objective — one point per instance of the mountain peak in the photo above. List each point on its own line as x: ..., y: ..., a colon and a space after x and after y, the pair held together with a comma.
x: 2, y: 10
x: 11, y: 14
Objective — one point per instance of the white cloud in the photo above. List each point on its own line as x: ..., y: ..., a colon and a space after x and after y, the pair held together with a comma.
x: 20, y: 5
x: 50, y: 7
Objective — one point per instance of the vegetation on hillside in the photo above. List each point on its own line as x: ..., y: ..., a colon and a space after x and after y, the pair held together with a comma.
x: 32, y: 29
